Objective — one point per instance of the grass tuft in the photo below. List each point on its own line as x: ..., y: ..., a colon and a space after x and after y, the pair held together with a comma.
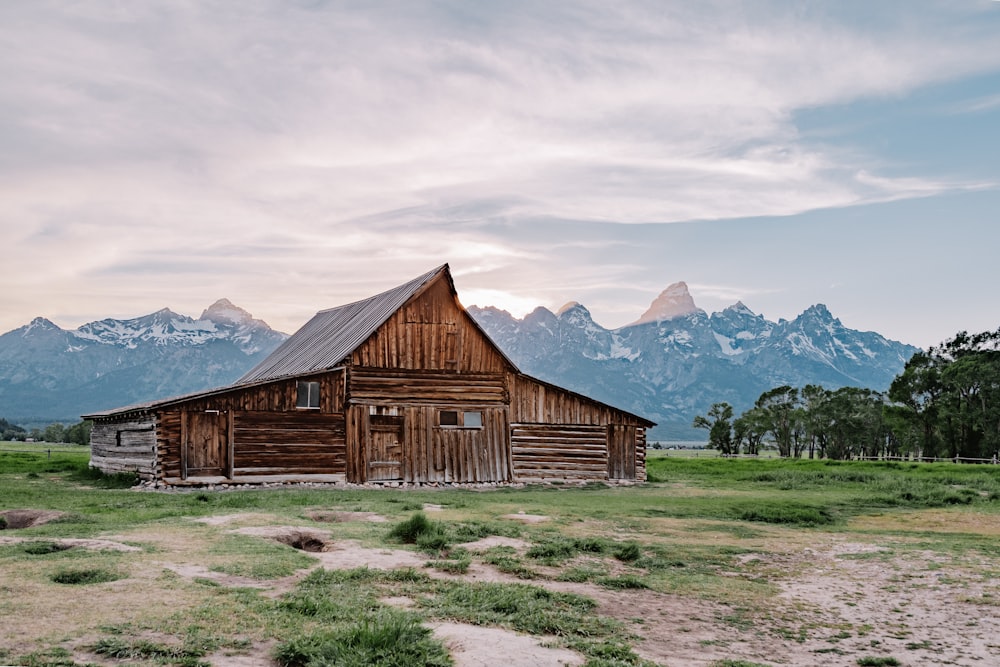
x: 421, y: 531
x: 388, y: 637
x: 784, y: 513
x: 85, y: 576
x: 43, y: 548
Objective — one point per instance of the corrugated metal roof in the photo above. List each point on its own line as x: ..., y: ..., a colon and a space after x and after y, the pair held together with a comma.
x: 332, y: 335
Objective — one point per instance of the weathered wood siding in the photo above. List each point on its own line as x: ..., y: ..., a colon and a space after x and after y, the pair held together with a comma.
x: 277, y: 398
x: 278, y: 443
x: 427, y: 451
x: 559, y: 451
x: 621, y: 451
x: 377, y: 386
x: 431, y: 332
x: 127, y: 445
x: 550, y: 434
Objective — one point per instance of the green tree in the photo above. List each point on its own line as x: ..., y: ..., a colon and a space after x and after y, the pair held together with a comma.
x: 10, y: 431
x: 778, y: 410
x: 720, y: 428
x: 816, y: 418
x: 951, y: 396
x: 79, y: 433
x: 749, y: 430
x: 54, y: 433
x: 918, y: 398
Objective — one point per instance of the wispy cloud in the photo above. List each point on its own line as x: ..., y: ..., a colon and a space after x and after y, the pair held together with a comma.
x: 311, y: 141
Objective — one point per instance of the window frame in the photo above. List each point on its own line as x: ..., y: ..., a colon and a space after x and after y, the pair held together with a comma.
x: 312, y: 395
x: 460, y: 417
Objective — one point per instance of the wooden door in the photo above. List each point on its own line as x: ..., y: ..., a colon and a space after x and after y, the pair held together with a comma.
x: 621, y: 451
x: 385, y: 447
x: 205, y: 448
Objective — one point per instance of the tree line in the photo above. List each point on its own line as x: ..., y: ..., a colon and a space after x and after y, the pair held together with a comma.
x: 944, y: 404
x: 78, y: 433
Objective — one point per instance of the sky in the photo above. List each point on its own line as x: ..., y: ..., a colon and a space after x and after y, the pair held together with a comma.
x: 292, y: 156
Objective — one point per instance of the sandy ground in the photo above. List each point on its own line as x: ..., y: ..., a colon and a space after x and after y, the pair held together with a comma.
x: 837, y: 601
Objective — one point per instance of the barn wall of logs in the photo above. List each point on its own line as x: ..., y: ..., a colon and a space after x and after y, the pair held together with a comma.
x: 269, y: 435
x: 556, y: 433
x: 125, y: 445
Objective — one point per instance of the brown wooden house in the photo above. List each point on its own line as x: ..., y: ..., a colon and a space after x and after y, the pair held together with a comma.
x: 403, y: 386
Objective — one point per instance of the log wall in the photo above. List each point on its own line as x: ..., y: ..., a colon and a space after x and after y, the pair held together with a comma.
x: 377, y: 386
x: 278, y: 399
x: 559, y: 451
x: 278, y: 443
x: 558, y: 420
x: 125, y: 446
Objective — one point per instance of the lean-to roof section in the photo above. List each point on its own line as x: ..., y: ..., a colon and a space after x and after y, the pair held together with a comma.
x: 332, y: 335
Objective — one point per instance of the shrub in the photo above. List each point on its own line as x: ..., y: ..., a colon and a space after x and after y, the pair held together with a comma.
x: 418, y: 527
x: 878, y: 661
x: 628, y: 552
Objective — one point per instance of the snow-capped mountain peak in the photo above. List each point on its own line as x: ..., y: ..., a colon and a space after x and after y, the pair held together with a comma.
x: 113, y: 362
x: 39, y: 324
x: 675, y: 301
x: 681, y: 360
x: 569, y: 305
x: 741, y: 308
x: 224, y: 311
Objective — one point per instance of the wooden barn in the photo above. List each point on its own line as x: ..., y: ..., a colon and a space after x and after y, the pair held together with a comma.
x: 400, y: 387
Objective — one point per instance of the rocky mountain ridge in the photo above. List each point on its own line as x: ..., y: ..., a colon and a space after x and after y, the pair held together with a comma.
x: 673, y: 362
x: 51, y: 374
x: 676, y: 360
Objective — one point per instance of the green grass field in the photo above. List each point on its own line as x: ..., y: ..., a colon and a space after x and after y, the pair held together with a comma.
x: 701, y: 553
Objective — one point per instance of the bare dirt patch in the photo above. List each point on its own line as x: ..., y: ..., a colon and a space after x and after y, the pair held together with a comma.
x: 349, y: 554
x: 27, y: 518
x: 477, y: 646
x: 345, y: 517
x: 526, y: 518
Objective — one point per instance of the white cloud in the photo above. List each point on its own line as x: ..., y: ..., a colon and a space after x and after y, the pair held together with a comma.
x: 252, y: 147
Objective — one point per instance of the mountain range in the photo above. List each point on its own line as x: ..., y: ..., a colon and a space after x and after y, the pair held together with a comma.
x: 670, y: 364
x: 675, y: 360
x: 51, y: 374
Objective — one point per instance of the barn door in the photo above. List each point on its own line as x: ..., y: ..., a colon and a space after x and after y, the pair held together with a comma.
x: 205, y: 444
x: 385, y: 451
x: 621, y: 451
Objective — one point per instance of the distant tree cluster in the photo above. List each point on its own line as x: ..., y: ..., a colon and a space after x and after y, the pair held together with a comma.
x: 78, y: 434
x: 945, y: 404
x: 10, y: 431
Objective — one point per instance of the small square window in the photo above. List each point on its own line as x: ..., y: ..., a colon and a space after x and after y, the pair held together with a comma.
x: 448, y: 418
x: 472, y: 419
x: 308, y: 395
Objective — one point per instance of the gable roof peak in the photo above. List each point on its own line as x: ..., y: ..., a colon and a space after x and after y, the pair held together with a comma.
x: 333, y: 334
